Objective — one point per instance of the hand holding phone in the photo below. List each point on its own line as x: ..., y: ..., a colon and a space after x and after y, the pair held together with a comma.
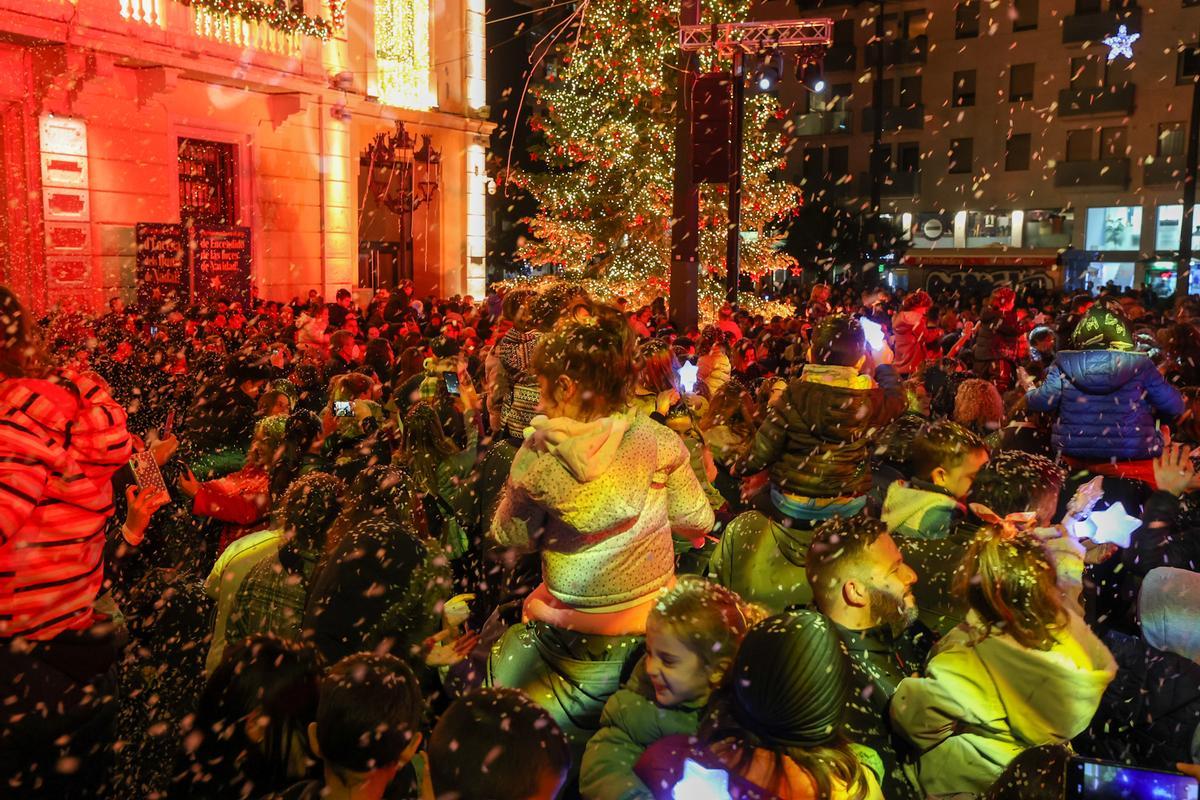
x: 451, y: 379
x: 343, y: 408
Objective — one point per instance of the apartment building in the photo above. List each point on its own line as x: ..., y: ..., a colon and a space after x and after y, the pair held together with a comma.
x: 228, y: 140
x: 1018, y: 145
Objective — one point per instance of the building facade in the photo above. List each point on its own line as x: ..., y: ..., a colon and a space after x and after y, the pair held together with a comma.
x: 1015, y: 147
x: 246, y: 121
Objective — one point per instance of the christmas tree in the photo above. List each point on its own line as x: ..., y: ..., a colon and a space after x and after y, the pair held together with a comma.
x: 604, y: 124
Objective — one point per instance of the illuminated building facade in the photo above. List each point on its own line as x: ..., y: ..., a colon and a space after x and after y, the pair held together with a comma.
x: 246, y: 114
x: 1011, y: 131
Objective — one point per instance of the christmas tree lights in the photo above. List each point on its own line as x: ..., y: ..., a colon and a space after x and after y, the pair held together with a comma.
x: 605, y: 121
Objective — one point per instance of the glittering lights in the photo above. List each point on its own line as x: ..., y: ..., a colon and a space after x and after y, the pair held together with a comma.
x: 276, y: 16
x: 1121, y: 43
x: 603, y: 163
x: 402, y: 50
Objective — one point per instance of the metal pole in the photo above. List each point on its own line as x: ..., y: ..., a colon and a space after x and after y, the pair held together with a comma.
x: 877, y: 128
x: 685, y: 207
x: 733, y: 244
x: 1184, y: 272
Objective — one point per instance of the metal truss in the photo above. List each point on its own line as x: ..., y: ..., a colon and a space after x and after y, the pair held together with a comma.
x: 755, y: 37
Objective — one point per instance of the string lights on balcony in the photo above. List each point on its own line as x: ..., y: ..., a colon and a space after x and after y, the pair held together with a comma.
x: 279, y: 17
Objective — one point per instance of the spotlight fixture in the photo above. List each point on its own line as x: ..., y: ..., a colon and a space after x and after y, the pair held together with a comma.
x: 810, y: 74
x: 766, y: 75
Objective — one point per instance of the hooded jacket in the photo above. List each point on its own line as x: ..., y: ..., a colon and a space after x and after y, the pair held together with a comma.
x: 814, y: 440
x: 985, y: 699
x: 600, y: 500
x: 920, y: 510
x: 763, y: 561
x: 1106, y: 401
x: 1169, y: 611
x: 631, y: 722
x: 911, y: 330
x: 60, y: 443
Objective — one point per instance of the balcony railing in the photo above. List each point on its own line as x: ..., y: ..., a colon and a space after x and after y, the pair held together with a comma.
x: 1105, y: 172
x: 1096, y: 100
x: 895, y: 118
x: 227, y: 29
x: 1163, y: 170
x: 899, y: 52
x: 1094, y: 27
x: 818, y: 123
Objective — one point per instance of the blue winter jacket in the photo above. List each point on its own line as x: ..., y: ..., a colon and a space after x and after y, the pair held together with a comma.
x: 1106, y: 402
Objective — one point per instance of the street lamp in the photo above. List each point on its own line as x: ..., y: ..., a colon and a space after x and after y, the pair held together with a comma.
x: 402, y: 178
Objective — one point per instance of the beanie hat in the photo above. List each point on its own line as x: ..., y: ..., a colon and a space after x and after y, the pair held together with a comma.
x: 791, y: 680
x: 1101, y: 329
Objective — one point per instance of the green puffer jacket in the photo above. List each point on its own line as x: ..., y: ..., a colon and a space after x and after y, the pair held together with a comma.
x: 763, y: 562
x: 631, y: 722
x: 815, y: 440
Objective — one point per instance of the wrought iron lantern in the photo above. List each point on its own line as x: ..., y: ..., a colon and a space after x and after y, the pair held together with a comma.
x: 400, y: 176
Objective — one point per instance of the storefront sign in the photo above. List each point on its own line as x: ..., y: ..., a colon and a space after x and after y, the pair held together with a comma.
x: 162, y: 273
x: 221, y: 263
x: 981, y: 281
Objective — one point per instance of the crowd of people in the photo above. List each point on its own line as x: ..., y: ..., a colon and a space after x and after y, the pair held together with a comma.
x: 535, y: 545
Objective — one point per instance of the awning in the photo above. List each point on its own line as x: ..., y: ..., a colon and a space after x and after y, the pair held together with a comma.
x: 980, y: 258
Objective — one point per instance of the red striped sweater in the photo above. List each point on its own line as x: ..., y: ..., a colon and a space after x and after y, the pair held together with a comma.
x: 58, y: 452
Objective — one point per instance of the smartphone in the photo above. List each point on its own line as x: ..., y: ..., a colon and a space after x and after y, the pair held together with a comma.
x: 146, y: 471
x: 687, y: 376
x: 1089, y: 779
x: 451, y: 379
x: 343, y: 408
x: 154, y: 330
x: 874, y: 333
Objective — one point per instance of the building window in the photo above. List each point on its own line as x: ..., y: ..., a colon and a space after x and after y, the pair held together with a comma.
x: 1017, y: 151
x: 813, y: 166
x: 1046, y: 228
x: 1079, y: 145
x: 966, y: 20
x: 1114, y: 228
x: 1170, y: 139
x: 1087, y: 6
x: 964, y: 88
x: 1020, y: 83
x: 908, y: 157
x: 1025, y: 14
x: 207, y: 182
x: 1088, y: 72
x: 402, y: 54
x: 1168, y: 226
x: 915, y: 23
x: 1113, y: 143
x: 988, y: 227
x: 1189, y: 64
x: 839, y: 163
x: 910, y: 91
x: 961, y: 155
x: 843, y: 32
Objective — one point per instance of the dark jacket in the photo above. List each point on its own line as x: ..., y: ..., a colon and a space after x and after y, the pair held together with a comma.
x: 879, y: 661
x: 1149, y: 714
x: 221, y: 418
x: 815, y: 439
x: 937, y: 563
x: 763, y: 561
x: 1106, y: 402
x: 997, y: 335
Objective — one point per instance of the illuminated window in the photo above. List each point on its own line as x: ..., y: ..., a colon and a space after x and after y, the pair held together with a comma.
x: 402, y: 53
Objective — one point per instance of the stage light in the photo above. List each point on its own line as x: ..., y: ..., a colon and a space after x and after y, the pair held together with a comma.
x: 766, y: 76
x: 810, y: 75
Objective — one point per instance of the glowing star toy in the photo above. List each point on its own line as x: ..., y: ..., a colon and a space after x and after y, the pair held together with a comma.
x: 1121, y: 43
x: 1112, y: 525
x: 687, y: 376
x: 700, y: 783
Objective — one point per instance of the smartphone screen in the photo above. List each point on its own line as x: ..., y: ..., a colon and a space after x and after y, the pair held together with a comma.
x: 451, y: 379
x: 343, y: 408
x: 874, y: 333
x: 1088, y: 779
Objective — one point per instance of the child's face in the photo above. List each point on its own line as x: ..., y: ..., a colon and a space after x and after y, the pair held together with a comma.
x: 957, y: 479
x: 677, y: 674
